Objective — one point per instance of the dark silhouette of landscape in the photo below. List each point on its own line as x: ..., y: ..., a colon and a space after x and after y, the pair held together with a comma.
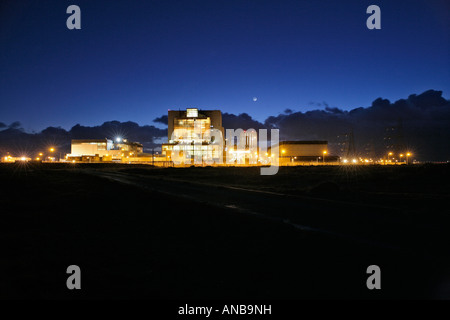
x: 188, y: 233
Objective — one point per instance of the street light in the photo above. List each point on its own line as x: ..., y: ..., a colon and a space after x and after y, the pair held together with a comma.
x: 324, y: 153
x: 407, y: 157
x: 52, y: 149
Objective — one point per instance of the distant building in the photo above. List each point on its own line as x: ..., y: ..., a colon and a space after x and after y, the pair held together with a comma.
x: 297, y: 152
x: 91, y: 147
x: 94, y: 150
x: 186, y: 120
x: 187, y: 135
x: 129, y: 147
x: 15, y: 159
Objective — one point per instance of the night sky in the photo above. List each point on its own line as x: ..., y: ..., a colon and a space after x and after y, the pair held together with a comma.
x: 134, y: 60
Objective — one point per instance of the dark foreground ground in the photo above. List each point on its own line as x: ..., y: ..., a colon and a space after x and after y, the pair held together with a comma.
x: 142, y: 232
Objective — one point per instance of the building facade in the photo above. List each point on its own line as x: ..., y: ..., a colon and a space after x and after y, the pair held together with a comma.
x: 93, y: 150
x: 305, y: 152
x: 195, y: 137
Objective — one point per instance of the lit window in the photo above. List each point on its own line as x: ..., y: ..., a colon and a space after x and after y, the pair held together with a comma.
x: 192, y: 113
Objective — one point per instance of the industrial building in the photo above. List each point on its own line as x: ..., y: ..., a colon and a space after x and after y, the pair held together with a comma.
x: 305, y: 152
x: 190, y: 143
x: 195, y: 137
x: 95, y: 150
x: 11, y: 159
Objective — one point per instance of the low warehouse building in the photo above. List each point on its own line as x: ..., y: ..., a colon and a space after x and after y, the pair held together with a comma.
x: 305, y: 152
x: 95, y: 150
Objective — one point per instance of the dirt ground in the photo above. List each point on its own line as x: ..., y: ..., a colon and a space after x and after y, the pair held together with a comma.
x: 143, y: 232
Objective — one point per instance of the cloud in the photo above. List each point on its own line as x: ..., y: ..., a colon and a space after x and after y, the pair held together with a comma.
x: 318, y: 104
x: 15, y: 125
x: 243, y: 121
x: 420, y: 123
x: 162, y: 119
x: 334, y: 110
x: 127, y: 130
x: 2, y: 125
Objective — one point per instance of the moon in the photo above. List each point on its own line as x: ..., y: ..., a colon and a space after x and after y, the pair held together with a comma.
x: 255, y: 99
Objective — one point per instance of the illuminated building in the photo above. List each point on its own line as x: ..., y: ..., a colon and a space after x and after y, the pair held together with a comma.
x: 91, y: 147
x: 94, y: 150
x: 11, y: 159
x: 244, y: 148
x: 297, y: 152
x: 133, y: 147
x: 195, y: 137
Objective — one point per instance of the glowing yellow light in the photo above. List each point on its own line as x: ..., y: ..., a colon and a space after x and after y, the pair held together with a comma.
x: 354, y: 160
x: 23, y: 158
x: 325, y: 152
x: 283, y: 151
x: 52, y: 149
x: 37, y: 159
x: 401, y: 155
x: 408, y: 154
x: 345, y: 160
x: 40, y: 153
x: 390, y: 154
x: 73, y: 161
x: 267, y: 154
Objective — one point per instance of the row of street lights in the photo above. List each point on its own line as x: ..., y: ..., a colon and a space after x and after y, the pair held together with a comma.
x: 41, y: 154
x: 401, y: 155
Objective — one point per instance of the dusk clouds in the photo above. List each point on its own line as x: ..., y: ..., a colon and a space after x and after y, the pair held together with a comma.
x: 422, y: 124
x: 421, y: 121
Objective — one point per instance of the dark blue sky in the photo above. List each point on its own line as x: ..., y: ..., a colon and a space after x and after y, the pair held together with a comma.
x: 134, y: 60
